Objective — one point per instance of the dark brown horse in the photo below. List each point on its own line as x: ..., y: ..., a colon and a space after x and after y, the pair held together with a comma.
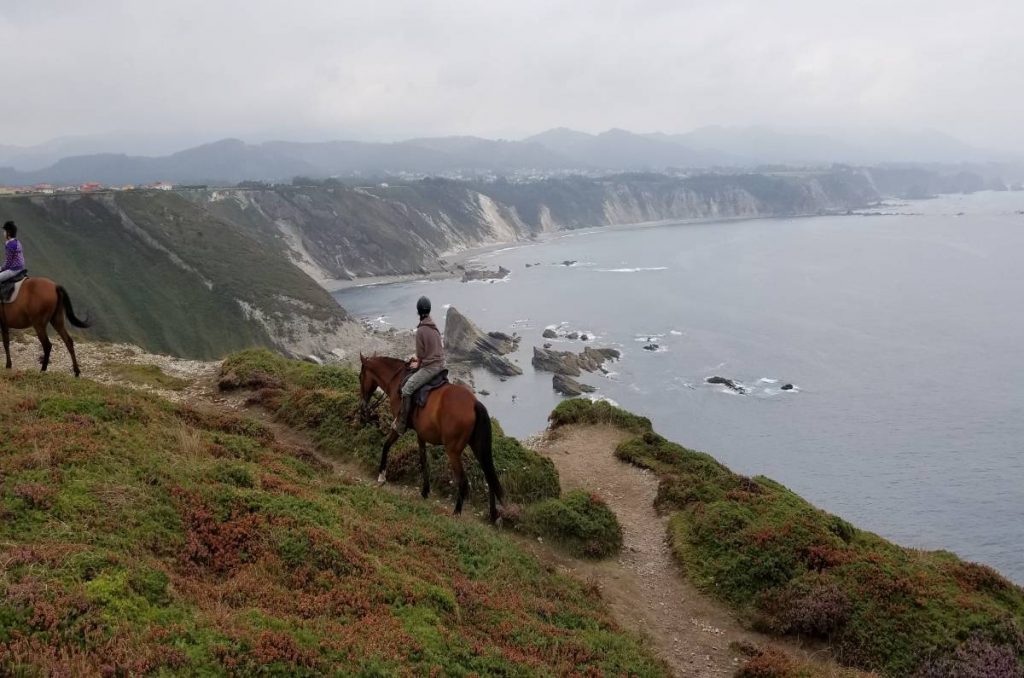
x: 40, y: 302
x: 452, y: 417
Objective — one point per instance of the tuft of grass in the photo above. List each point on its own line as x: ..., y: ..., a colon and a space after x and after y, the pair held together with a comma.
x: 798, y: 570
x: 325, y: 402
x: 147, y: 375
x: 140, y: 537
x: 580, y: 521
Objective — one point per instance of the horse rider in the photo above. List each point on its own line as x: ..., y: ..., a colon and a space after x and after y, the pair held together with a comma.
x: 428, y: 361
x: 14, y: 262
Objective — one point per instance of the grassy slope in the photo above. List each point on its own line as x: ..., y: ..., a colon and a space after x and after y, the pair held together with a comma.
x: 801, y: 571
x: 134, y: 292
x: 324, y: 400
x: 138, y: 536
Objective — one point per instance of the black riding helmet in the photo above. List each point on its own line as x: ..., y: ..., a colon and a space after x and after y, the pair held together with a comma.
x: 423, y: 306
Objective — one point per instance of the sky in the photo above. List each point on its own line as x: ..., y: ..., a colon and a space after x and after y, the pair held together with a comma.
x: 193, y: 71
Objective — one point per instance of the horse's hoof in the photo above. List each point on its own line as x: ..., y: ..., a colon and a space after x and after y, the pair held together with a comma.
x: 381, y: 479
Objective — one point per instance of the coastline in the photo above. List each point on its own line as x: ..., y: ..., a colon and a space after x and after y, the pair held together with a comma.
x: 456, y: 257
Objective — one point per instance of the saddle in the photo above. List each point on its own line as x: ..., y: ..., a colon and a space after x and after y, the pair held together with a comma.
x: 419, y: 398
x: 9, y: 288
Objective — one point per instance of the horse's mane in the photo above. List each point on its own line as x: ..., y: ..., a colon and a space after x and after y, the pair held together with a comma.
x: 386, y: 362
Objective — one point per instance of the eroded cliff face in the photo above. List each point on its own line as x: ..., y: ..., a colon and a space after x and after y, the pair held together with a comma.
x: 336, y: 231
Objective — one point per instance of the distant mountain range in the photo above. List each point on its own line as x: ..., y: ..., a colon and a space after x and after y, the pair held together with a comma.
x: 561, y: 149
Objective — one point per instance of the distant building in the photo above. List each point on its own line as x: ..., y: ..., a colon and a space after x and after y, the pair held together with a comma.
x: 161, y: 186
x: 90, y: 186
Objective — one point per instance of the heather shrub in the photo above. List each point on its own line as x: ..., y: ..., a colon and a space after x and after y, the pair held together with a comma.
x: 580, y: 521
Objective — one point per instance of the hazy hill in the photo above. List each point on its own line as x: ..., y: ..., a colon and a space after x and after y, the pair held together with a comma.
x: 764, y: 145
x: 622, y: 150
x: 231, y: 160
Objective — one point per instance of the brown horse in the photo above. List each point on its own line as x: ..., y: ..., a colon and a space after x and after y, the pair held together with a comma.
x: 452, y: 417
x: 40, y: 302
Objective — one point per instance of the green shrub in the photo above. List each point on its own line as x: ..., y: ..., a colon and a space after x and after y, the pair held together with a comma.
x: 580, y: 521
x: 583, y: 411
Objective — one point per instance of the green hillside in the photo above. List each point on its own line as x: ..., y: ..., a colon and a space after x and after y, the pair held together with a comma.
x: 141, y: 537
x: 153, y: 269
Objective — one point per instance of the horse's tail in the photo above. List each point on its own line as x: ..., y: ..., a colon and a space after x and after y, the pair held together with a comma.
x: 481, y: 444
x: 69, y: 311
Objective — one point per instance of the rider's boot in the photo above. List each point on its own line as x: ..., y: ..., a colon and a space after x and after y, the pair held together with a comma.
x: 402, y: 420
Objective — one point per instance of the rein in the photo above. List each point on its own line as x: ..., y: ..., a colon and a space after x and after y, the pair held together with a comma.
x: 380, y: 396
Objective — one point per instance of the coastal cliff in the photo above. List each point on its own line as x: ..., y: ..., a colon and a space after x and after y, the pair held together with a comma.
x: 199, y: 272
x: 338, y: 231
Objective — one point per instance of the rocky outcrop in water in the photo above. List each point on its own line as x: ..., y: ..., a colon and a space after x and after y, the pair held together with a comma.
x: 571, y: 364
x: 593, y: 359
x: 484, y: 274
x: 728, y: 383
x: 568, y: 386
x: 465, y: 342
x: 559, y: 362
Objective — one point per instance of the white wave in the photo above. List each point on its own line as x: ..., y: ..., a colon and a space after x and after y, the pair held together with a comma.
x: 766, y: 380
x: 594, y: 397
x: 633, y: 270
x: 676, y: 333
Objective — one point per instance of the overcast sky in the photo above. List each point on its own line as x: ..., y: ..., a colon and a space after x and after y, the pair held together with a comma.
x: 258, y: 69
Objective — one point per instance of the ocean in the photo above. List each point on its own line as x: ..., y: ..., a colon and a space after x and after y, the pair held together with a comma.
x: 902, y: 333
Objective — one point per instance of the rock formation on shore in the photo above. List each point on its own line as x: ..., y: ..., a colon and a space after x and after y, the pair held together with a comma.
x: 465, y: 342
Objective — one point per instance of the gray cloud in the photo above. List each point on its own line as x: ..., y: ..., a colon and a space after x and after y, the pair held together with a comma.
x: 312, y: 70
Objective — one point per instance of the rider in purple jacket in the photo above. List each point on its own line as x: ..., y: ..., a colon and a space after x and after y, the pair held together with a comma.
x: 14, y: 261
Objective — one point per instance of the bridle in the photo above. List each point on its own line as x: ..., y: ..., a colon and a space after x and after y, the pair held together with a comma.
x: 369, y: 405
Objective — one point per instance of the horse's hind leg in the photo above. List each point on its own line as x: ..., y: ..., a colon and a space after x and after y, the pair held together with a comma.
x: 7, y: 344
x: 58, y: 324
x: 425, y: 490
x: 459, y: 474
x: 44, y: 339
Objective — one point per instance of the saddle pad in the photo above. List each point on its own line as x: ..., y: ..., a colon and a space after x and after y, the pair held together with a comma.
x: 9, y: 291
x: 437, y: 382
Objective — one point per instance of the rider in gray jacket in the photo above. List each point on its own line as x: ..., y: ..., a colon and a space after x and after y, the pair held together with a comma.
x: 428, y: 361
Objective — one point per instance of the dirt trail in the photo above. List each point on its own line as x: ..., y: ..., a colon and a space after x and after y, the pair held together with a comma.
x: 644, y: 587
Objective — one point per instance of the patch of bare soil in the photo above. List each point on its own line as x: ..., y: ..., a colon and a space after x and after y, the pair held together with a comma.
x: 95, y: 359
x: 644, y: 586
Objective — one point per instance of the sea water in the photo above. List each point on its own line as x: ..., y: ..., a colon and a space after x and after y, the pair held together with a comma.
x: 902, y: 334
